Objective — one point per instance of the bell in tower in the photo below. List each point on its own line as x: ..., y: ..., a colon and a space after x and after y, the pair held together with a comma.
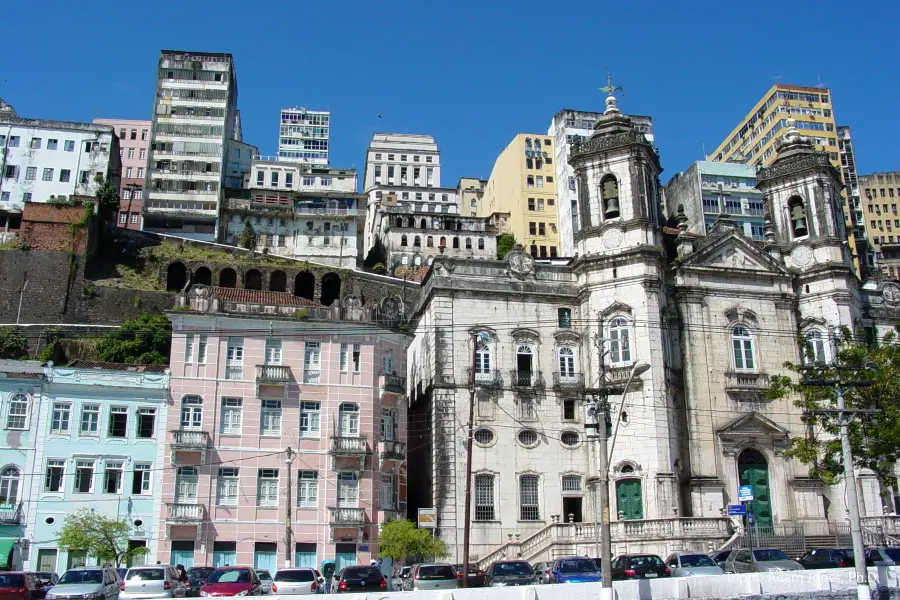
x: 798, y: 216
x: 610, y: 193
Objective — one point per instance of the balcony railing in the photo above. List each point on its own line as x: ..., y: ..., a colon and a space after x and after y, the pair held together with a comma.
x: 190, y: 439
x: 348, y: 517
x: 234, y: 372
x: 185, y: 513
x: 616, y: 378
x: 332, y: 212
x: 273, y: 374
x: 11, y: 514
x: 393, y: 383
x: 751, y: 385
x: 348, y: 446
x: 568, y: 381
x: 526, y: 380
x: 392, y: 450
x: 485, y: 378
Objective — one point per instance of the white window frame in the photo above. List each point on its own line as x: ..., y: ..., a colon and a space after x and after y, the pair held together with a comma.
x: 192, y: 407
x: 484, y: 360
x: 743, y: 349
x: 234, y: 358
x: 310, y: 419
x: 18, y: 407
x: 110, y: 467
x: 146, y: 470
x: 357, y: 357
x: 619, y: 341
x: 189, y: 348
x: 187, y: 485
x: 270, y: 418
x: 344, y: 357
x: 273, y: 351
x: 201, y: 349
x: 10, y: 484
x: 89, y: 410
x: 55, y: 463
x: 567, y: 487
x: 267, y: 488
x: 118, y: 410
x: 228, y: 486
x: 142, y: 412
x: 533, y: 497
x: 566, y: 358
x: 817, y: 341
x: 485, y: 499
x: 307, y: 489
x: 387, y: 424
x: 348, y: 419
x: 81, y: 465
x: 387, y: 495
x: 347, y: 489
x: 232, y: 416
x: 312, y: 362
x: 61, y: 418
x: 387, y: 362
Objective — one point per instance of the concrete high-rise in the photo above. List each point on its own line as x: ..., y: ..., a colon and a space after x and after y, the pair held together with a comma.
x: 194, y: 123
x: 303, y: 136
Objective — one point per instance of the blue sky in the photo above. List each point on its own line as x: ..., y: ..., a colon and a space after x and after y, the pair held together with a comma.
x: 470, y: 73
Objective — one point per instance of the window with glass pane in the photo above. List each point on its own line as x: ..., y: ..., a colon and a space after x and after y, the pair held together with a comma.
x: 484, y: 497
x: 9, y: 485
x: 146, y: 422
x: 347, y: 489
x: 273, y: 351
x: 187, y: 482
x: 344, y: 356
x: 56, y: 469
x: 140, y: 483
x: 742, y: 345
x: 307, y: 489
x: 529, y: 508
x: 227, y: 486
x: 349, y: 420
x: 482, y: 361
x: 267, y: 481
x: 271, y: 417
x: 84, y: 476
x: 311, y: 362
x: 310, y: 418
x: 231, y: 415
x: 192, y: 413
x: 566, y: 356
x: 387, y: 492
x: 619, y: 345
x: 61, y: 415
x: 112, y: 477
x: 17, y: 418
x: 118, y: 421
x: 356, y: 358
x: 90, y: 419
x: 234, y: 358
x: 564, y: 318
x: 201, y: 350
x: 815, y: 350
x: 571, y: 483
x: 188, y: 348
x: 387, y: 362
x: 387, y: 424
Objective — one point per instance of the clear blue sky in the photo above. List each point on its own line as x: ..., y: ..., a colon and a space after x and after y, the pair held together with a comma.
x: 471, y: 73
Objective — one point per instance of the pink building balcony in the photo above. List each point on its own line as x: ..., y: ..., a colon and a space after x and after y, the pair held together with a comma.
x: 391, y: 451
x: 189, y: 446
x: 182, y: 519
x: 273, y: 374
x: 392, y: 384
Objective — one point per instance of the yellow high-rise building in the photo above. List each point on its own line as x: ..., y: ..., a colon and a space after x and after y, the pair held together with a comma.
x: 752, y: 141
x: 522, y: 185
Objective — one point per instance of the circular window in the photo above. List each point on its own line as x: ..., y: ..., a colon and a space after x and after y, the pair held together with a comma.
x: 138, y: 522
x: 569, y: 438
x: 528, y: 437
x: 49, y: 520
x: 484, y: 436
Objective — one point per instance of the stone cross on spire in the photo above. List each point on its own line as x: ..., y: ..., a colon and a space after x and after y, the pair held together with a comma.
x: 610, y: 90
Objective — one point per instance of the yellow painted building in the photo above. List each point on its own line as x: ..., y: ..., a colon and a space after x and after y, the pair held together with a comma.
x: 522, y: 185
x: 753, y: 139
x: 881, y: 199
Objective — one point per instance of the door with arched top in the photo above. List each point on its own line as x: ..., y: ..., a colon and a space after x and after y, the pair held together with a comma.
x: 753, y: 470
x: 630, y: 501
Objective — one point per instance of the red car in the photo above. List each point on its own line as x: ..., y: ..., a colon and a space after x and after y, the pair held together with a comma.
x: 20, y: 586
x: 231, y: 581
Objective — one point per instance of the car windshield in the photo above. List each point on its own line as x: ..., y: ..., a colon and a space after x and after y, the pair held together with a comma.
x: 229, y: 576
x: 199, y: 572
x: 11, y: 581
x: 770, y: 554
x: 295, y: 576
x: 363, y: 573
x: 436, y: 572
x: 696, y: 560
x: 649, y: 560
x: 264, y: 575
x: 82, y: 577
x: 472, y: 569
x: 512, y: 568
x: 577, y: 565
x: 145, y: 575
x: 893, y: 553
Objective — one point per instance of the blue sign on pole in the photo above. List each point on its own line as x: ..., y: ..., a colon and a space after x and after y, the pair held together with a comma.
x: 745, y: 493
x: 737, y: 510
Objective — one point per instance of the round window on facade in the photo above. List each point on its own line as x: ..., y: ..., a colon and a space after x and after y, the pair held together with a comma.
x: 49, y: 520
x: 484, y: 437
x: 138, y: 522
x: 528, y: 437
x: 569, y: 438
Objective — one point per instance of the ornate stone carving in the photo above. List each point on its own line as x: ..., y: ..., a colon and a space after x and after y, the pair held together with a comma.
x: 521, y: 264
x: 794, y: 165
x: 612, y: 237
x: 607, y: 142
x: 890, y: 293
x: 802, y: 255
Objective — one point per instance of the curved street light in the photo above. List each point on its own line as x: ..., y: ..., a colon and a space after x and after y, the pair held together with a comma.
x: 638, y: 368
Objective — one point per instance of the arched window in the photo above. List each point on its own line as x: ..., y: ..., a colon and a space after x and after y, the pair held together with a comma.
x: 742, y: 345
x: 403, y: 240
x: 797, y: 211
x: 566, y: 356
x: 483, y: 361
x: 9, y: 485
x: 456, y: 242
x: 468, y: 243
x: 404, y: 260
x: 816, y: 350
x: 429, y: 241
x: 443, y: 242
x: 417, y: 261
x: 524, y: 365
x: 192, y: 413
x: 609, y: 191
x: 620, y: 342
x: 417, y: 241
x: 423, y: 223
x: 17, y: 416
x: 399, y: 221
x: 481, y: 243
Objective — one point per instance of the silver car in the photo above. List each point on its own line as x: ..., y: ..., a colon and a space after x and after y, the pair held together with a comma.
x: 152, y: 582
x: 760, y: 560
x: 297, y: 582
x: 88, y: 583
x: 434, y: 576
x: 265, y: 579
x: 692, y: 564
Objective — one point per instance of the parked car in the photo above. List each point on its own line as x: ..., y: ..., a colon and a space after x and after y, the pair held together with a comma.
x: 889, y: 556
x: 403, y: 581
x: 196, y: 578
x: 157, y: 581
x: 102, y: 582
x: 48, y: 578
x: 638, y: 566
x: 542, y: 571
x: 475, y: 575
x: 761, y: 560
x: 122, y: 571
x: 720, y: 557
x: 21, y: 586
x: 232, y: 581
x: 827, y: 558
x: 503, y: 573
x: 361, y: 578
x: 574, y: 569
x: 692, y: 564
x: 433, y: 576
x: 265, y: 579
x: 297, y: 582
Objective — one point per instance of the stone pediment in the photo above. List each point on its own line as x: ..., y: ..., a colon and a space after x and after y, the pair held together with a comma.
x: 753, y: 429
x: 733, y: 251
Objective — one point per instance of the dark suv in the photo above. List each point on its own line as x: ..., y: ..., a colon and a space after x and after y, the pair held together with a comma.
x: 360, y: 578
x: 639, y: 566
x: 827, y: 558
x: 509, y: 572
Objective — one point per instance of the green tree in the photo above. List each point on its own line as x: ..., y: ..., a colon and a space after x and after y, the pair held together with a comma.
x: 103, y: 538
x: 505, y: 243
x: 401, y: 539
x: 13, y: 343
x: 107, y: 199
x: 874, y: 438
x: 145, y: 340
x: 247, y: 238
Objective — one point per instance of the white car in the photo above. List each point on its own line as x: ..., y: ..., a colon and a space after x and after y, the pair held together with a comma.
x: 152, y: 583
x: 298, y: 582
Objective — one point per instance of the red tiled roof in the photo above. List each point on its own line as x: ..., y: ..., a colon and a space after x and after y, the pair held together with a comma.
x: 416, y: 274
x: 109, y: 366
x: 259, y: 297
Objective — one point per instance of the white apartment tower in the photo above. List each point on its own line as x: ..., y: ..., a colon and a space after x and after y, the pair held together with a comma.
x: 303, y: 136
x: 569, y: 127
x: 194, y: 123
x: 402, y: 159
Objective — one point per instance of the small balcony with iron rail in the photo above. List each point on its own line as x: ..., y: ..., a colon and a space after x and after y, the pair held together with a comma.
x: 568, y: 382
x: 485, y: 378
x: 392, y: 384
x: 11, y: 513
x: 615, y: 379
x: 189, y: 446
x: 526, y: 381
x: 391, y: 451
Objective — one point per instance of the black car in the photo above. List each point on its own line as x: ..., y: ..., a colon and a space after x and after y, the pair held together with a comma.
x: 639, y: 566
x: 360, y: 578
x: 196, y: 578
x: 889, y: 556
x: 827, y: 558
x: 509, y: 572
x: 475, y: 576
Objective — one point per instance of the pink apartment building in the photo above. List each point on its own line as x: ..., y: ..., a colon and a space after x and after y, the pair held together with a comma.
x: 256, y: 372
x: 134, y: 139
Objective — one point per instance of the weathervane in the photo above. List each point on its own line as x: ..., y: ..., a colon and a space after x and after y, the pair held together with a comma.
x: 609, y: 88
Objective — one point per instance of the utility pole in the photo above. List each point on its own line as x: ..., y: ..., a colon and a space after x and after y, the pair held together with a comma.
x: 288, y: 459
x: 602, y: 530
x: 468, y: 513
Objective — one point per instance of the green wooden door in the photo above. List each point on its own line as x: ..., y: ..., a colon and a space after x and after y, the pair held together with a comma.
x: 630, y: 501
x: 754, y: 471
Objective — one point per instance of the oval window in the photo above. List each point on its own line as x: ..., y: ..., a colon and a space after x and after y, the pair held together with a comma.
x: 569, y: 438
x: 484, y: 436
x: 528, y: 437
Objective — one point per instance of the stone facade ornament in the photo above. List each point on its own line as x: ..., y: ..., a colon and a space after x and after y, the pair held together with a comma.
x: 802, y: 255
x: 613, y: 237
x: 391, y: 308
x: 521, y: 264
x: 890, y: 293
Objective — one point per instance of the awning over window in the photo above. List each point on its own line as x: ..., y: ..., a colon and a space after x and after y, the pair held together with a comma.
x: 6, y: 546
